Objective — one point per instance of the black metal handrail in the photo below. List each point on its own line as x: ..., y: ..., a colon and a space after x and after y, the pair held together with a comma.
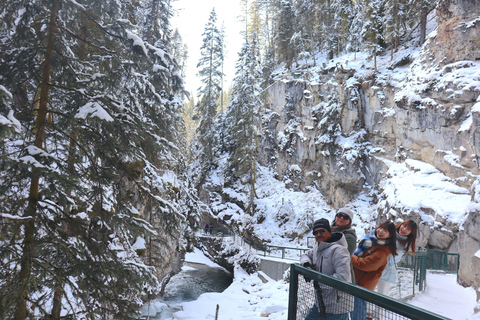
x: 377, y: 299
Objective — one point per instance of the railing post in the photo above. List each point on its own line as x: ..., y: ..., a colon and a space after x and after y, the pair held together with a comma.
x: 292, y: 296
x: 458, y: 264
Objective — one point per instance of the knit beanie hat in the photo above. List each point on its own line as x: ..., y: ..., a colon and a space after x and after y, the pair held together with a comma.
x: 322, y: 223
x: 347, y: 212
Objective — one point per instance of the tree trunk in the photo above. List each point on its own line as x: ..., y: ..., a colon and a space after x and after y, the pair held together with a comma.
x: 423, y: 24
x: 28, y: 243
x: 151, y: 27
x: 57, y: 301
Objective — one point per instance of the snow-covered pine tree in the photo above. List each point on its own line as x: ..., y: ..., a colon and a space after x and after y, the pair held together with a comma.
x: 418, y: 11
x: 258, y: 17
x: 179, y: 51
x: 307, y: 24
x: 329, y: 33
x: 163, y: 190
x: 342, y: 12
x: 191, y: 126
x: 285, y: 21
x: 242, y: 120
x: 209, y: 70
x: 394, y: 21
x: 87, y: 109
x: 372, y: 31
x: 354, y: 35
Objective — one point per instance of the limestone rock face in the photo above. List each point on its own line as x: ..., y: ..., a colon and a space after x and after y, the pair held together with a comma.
x: 164, y: 249
x: 309, y: 128
x: 458, y: 19
x: 468, y: 246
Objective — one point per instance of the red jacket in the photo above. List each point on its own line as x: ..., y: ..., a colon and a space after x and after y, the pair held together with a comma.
x: 369, y: 267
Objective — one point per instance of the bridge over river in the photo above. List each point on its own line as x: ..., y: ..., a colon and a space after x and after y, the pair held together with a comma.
x: 274, y: 260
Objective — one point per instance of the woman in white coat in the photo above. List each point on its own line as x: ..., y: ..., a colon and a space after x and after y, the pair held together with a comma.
x: 406, y: 238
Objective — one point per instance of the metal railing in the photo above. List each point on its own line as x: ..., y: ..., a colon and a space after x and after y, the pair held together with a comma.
x: 261, y: 249
x: 427, y: 259
x: 433, y: 260
x: 267, y: 250
x: 218, y: 232
x: 355, y: 302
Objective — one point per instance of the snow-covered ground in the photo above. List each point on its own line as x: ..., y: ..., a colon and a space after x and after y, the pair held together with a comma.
x: 248, y: 298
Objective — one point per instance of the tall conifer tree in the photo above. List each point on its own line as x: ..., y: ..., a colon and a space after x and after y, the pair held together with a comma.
x: 209, y: 71
x: 242, y: 119
x: 285, y: 22
x: 88, y: 108
x: 372, y: 32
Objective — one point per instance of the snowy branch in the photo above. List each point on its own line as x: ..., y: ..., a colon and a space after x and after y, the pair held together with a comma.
x: 14, y: 218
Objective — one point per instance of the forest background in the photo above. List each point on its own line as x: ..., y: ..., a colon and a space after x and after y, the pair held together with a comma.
x: 103, y: 166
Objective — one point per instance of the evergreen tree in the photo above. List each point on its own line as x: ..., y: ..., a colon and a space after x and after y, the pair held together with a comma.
x: 354, y: 35
x: 180, y: 51
x: 394, y: 21
x: 372, y: 32
x: 418, y: 11
x: 308, y: 24
x: 191, y: 126
x: 285, y: 22
x: 242, y: 119
x: 209, y: 71
x: 342, y: 17
x: 329, y: 33
x: 91, y: 117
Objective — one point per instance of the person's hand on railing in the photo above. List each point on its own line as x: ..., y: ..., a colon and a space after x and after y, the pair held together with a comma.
x: 309, y: 266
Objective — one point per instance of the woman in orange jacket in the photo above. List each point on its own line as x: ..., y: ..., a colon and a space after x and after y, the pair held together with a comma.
x: 369, y: 261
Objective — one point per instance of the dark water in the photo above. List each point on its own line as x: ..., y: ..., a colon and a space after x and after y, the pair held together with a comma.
x: 188, y: 285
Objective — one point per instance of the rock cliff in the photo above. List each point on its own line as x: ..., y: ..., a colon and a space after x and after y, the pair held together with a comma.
x: 337, y: 127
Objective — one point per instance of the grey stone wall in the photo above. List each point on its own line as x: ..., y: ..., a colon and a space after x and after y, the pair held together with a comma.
x: 427, y: 127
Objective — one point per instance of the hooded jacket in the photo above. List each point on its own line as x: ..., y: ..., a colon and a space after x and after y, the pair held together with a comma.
x: 331, y: 258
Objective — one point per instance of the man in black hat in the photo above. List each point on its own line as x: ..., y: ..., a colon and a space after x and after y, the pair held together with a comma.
x: 331, y: 257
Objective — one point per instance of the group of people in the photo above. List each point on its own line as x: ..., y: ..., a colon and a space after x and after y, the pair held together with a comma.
x: 371, y: 264
x: 208, y: 229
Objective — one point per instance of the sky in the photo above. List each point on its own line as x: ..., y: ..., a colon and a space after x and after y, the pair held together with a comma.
x: 191, y: 17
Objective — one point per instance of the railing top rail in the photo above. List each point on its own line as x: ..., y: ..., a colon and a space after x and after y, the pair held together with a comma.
x: 267, y: 245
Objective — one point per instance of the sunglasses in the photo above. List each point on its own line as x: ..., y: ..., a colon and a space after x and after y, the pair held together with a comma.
x: 321, y: 231
x: 343, y: 216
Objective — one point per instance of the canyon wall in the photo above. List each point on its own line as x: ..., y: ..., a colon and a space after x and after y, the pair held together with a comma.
x: 337, y: 128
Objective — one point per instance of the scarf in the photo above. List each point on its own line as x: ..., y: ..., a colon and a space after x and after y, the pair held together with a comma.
x: 368, y: 242
x: 401, y: 242
x: 340, y: 229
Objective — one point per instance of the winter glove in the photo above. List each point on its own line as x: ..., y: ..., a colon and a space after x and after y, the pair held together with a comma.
x: 307, y: 265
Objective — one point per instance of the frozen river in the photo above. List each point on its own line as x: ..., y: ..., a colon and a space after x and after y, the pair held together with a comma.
x: 188, y: 285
